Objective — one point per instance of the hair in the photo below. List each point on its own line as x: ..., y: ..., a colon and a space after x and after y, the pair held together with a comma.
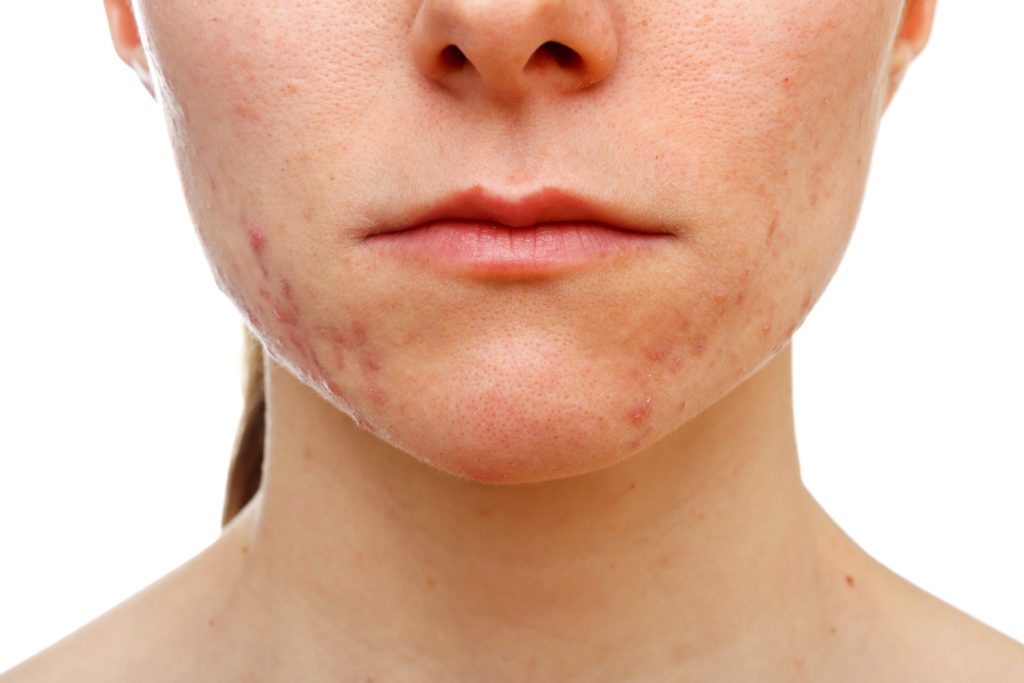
x: 246, y: 470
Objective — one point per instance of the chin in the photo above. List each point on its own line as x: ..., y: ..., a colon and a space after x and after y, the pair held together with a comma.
x: 520, y: 431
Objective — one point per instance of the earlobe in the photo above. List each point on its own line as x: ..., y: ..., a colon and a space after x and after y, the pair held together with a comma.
x: 124, y: 31
x: 915, y: 28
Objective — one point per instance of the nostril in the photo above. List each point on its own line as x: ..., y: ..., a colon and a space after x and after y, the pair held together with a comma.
x: 452, y: 57
x: 566, y: 57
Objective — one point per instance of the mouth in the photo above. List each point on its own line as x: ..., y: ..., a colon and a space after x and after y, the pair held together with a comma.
x: 480, y: 233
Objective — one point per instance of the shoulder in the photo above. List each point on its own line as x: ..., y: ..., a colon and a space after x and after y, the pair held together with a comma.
x: 159, y: 634
x: 918, y: 637
x: 949, y: 645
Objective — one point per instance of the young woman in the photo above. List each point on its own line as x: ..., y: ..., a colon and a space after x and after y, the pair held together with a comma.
x: 523, y: 276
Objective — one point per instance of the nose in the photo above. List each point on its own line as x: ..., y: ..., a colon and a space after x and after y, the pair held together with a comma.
x: 509, y: 48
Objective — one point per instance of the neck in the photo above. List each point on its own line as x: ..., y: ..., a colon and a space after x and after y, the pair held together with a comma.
x: 698, y: 547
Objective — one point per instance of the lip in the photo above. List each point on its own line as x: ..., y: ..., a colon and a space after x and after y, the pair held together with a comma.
x: 484, y: 233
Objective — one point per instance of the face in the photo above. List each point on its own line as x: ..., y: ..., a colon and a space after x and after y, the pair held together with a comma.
x: 513, y: 336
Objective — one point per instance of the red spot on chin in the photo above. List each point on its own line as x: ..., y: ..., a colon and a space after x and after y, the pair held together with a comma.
x: 641, y: 412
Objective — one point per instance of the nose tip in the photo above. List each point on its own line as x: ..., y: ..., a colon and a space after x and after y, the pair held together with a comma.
x: 511, y: 47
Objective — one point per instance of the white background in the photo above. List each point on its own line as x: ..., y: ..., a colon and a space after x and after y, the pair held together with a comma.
x: 119, y: 365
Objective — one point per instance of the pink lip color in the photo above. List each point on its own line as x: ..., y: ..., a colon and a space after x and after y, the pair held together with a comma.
x: 546, y: 232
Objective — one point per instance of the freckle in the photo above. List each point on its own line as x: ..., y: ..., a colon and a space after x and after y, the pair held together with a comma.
x: 430, y: 583
x: 483, y: 512
x: 832, y: 630
x: 245, y: 549
x: 212, y: 621
x: 798, y: 663
x: 701, y: 516
x: 632, y: 486
x: 641, y: 412
x: 257, y: 238
x: 849, y: 581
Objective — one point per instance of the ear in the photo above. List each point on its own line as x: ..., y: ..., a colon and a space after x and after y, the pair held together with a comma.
x: 124, y: 31
x: 915, y: 27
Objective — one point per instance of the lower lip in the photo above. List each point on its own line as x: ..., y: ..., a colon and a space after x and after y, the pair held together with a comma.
x: 492, y: 248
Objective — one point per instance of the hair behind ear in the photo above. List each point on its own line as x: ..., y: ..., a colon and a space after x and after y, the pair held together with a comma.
x: 246, y: 470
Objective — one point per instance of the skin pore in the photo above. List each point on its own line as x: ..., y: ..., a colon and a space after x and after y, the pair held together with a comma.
x: 585, y: 475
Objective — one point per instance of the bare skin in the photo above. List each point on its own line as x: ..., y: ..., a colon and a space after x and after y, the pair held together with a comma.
x: 701, y: 559
x: 653, y: 524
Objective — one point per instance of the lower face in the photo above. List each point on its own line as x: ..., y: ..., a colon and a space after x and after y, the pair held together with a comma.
x: 739, y: 131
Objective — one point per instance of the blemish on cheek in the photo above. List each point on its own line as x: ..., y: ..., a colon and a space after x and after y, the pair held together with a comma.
x: 377, y: 395
x: 641, y: 412
x: 245, y: 112
x: 659, y: 352
x: 284, y: 314
x: 699, y: 345
x: 257, y: 238
x: 682, y: 405
x: 773, y: 227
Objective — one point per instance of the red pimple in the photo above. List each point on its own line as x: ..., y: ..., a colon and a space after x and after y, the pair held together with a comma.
x: 773, y: 227
x: 641, y: 412
x: 257, y: 238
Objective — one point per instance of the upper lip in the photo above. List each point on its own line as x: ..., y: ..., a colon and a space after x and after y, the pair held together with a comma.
x: 545, y: 206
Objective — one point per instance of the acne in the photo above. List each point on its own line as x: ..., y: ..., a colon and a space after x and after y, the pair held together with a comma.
x: 640, y: 413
